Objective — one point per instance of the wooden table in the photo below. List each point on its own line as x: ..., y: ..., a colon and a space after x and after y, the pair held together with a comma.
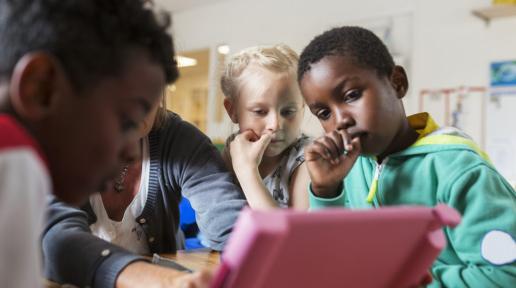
x: 196, y: 259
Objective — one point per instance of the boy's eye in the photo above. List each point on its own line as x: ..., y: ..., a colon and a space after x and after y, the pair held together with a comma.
x: 352, y: 95
x: 323, y: 114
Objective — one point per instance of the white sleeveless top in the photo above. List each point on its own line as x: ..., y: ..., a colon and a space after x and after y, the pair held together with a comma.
x: 126, y: 233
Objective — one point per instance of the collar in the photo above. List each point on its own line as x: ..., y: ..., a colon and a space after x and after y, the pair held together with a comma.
x: 423, y: 123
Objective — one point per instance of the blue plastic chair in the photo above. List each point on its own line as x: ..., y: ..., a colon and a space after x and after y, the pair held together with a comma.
x: 193, y: 237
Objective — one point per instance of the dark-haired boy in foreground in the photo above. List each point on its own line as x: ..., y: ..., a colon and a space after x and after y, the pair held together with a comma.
x: 76, y: 78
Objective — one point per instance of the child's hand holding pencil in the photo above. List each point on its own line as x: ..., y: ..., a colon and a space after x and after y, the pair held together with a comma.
x: 329, y: 159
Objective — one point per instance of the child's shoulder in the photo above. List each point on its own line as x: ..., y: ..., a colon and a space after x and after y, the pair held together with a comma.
x: 178, y: 131
x: 14, y: 136
x: 296, y: 153
x: 301, y: 142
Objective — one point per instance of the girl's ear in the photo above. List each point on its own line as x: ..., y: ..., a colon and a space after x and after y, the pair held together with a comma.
x: 399, y: 81
x: 230, y: 109
x: 33, y: 84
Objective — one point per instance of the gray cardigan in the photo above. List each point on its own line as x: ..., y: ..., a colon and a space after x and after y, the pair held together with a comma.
x: 183, y: 162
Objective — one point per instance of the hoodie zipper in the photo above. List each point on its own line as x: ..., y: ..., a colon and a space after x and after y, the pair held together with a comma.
x: 373, y: 189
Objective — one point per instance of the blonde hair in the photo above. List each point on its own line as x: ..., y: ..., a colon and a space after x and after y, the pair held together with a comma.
x: 161, y: 114
x: 276, y: 58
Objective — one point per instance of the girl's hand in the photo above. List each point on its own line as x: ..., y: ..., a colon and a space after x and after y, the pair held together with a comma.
x: 329, y: 159
x: 201, y: 279
x: 246, y: 154
x: 247, y: 150
x: 143, y: 274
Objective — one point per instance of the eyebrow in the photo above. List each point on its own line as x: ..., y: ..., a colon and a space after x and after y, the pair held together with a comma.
x: 292, y: 103
x: 342, y: 83
x: 316, y: 105
x: 335, y: 91
x: 142, y: 103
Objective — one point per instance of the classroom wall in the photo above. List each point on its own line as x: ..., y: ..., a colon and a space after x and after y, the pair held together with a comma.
x: 243, y: 23
x: 442, y: 44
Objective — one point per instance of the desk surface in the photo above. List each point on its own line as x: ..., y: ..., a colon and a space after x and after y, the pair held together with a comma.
x: 196, y: 259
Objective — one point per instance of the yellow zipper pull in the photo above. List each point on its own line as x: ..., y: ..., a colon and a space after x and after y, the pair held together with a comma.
x: 374, y: 187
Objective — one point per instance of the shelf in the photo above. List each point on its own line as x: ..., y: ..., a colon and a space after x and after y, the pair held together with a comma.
x: 496, y: 11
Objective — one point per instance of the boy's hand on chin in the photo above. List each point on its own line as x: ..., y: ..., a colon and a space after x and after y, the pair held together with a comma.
x: 247, y: 149
x: 329, y: 159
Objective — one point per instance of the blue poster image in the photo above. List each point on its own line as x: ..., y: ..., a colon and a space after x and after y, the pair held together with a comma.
x: 503, y: 73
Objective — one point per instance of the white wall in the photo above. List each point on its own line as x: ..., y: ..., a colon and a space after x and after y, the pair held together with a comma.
x: 447, y: 46
x: 244, y: 23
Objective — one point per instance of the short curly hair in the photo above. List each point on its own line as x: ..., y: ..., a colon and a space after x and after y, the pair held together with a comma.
x: 363, y: 47
x: 92, y: 39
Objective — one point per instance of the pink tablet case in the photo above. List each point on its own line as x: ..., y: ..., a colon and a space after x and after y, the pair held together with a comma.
x: 386, y: 247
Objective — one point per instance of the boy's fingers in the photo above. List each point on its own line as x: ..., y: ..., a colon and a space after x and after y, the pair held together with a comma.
x: 346, y: 139
x: 323, y: 149
x: 352, y: 154
x: 356, y: 145
x: 350, y: 143
x: 315, y: 151
x: 337, y: 138
x: 354, y: 149
x: 338, y: 141
x: 332, y: 147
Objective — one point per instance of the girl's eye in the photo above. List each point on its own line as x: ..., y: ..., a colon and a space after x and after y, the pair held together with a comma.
x: 323, y: 114
x: 127, y: 124
x: 288, y: 112
x: 259, y: 112
x: 352, y: 95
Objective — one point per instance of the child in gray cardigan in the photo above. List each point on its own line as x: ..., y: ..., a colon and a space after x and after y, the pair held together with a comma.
x: 183, y: 162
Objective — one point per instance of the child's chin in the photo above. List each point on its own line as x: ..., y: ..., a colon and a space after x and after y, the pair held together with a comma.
x: 273, y: 151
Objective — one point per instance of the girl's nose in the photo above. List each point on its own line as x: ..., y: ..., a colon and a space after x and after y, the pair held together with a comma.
x: 273, y: 122
x: 131, y: 150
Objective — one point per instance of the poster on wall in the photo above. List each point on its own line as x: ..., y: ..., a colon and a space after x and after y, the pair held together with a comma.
x: 503, y: 78
x: 500, y: 118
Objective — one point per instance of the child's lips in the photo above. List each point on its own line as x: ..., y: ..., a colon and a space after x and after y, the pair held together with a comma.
x: 360, y: 134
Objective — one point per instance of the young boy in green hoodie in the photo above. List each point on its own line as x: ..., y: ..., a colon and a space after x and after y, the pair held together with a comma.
x: 372, y: 155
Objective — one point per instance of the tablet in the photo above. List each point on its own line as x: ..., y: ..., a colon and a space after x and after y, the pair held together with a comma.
x: 385, y: 247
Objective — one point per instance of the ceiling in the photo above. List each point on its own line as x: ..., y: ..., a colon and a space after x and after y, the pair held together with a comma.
x: 180, y: 5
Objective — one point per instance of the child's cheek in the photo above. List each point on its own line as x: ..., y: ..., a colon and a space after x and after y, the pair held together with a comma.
x: 253, y: 125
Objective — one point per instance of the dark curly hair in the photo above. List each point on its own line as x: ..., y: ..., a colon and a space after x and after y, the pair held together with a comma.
x: 91, y: 38
x: 363, y: 47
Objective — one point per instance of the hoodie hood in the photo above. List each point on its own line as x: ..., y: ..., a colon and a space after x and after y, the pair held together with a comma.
x: 433, y: 138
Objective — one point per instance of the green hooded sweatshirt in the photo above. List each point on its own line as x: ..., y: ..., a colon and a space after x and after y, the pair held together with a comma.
x: 444, y: 166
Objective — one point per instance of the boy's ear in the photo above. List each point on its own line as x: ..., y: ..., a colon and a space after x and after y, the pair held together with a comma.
x: 230, y: 109
x: 32, y: 85
x: 399, y: 81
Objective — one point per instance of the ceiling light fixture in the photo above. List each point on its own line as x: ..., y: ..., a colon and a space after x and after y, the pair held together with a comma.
x: 183, y: 61
x: 223, y: 49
